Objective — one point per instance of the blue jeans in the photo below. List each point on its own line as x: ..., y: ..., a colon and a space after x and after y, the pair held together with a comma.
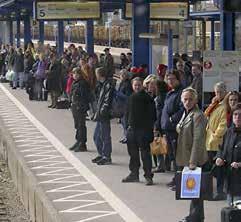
x: 15, y: 79
x: 102, y: 138
x: 124, y: 125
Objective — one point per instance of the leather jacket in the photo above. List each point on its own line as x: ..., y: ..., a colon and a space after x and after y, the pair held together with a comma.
x: 104, y: 95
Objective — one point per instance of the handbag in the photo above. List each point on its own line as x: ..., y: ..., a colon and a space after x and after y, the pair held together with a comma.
x: 159, y: 146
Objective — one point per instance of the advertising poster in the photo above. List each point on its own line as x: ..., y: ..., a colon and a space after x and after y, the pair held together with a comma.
x: 221, y: 66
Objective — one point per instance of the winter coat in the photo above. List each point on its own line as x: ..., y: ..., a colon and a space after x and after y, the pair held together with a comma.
x: 69, y: 84
x: 80, y: 96
x: 109, y: 65
x: 54, y: 77
x: 159, y: 103
x: 172, y: 110
x: 18, y: 63
x: 104, y: 95
x: 41, y: 68
x: 141, y: 111
x: 126, y: 87
x: 28, y: 63
x: 191, y: 139
x: 197, y: 84
x: 216, y: 127
x: 231, y: 152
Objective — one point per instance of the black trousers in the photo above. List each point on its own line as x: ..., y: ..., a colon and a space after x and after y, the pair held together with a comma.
x: 196, y: 213
x: 220, y: 172
x: 138, y: 141
x: 80, y: 126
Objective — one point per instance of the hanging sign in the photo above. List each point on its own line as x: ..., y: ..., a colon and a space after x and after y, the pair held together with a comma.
x: 67, y: 10
x: 164, y: 10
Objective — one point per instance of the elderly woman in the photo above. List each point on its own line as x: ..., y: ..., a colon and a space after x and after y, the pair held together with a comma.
x: 216, y: 127
x: 191, y: 149
x: 230, y: 155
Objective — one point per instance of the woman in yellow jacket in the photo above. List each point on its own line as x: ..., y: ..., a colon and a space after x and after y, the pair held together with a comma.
x: 216, y: 128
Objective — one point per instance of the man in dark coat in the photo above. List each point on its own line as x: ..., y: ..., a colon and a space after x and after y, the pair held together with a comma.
x: 18, y: 68
x: 171, y: 115
x: 80, y: 98
x: 108, y: 63
x: 141, y: 119
x: 102, y: 134
x: 54, y: 81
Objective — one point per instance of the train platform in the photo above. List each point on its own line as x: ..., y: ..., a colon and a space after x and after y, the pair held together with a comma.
x: 61, y: 186
x: 97, y: 48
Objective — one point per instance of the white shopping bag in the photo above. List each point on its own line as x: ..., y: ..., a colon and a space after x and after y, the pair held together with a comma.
x: 191, y: 183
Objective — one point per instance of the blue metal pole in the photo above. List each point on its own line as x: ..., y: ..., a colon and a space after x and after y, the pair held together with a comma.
x: 150, y: 57
x: 227, y: 29
x: 11, y: 32
x: 18, y: 33
x: 27, y: 30
x: 212, y: 38
x: 140, y: 24
x: 60, y: 43
x: 41, y: 31
x: 170, y: 50
x: 89, y: 36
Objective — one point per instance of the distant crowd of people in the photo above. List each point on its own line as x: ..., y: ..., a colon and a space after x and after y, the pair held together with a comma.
x: 167, y: 104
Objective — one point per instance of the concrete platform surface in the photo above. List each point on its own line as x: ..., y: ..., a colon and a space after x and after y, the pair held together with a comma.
x: 73, y: 188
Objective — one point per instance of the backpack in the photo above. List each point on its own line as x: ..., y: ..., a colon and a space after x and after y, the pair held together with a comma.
x: 119, y: 104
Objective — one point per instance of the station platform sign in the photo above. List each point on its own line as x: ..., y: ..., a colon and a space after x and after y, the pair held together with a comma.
x: 167, y: 10
x: 68, y: 10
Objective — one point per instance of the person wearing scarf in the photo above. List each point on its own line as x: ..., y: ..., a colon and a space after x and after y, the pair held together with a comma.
x: 217, y: 124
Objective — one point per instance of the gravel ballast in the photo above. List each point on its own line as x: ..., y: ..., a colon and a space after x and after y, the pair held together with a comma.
x: 11, y: 208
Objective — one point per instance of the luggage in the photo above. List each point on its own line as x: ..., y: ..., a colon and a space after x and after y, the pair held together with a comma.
x: 230, y: 214
x: 206, y: 192
x: 63, y: 104
x: 44, y: 94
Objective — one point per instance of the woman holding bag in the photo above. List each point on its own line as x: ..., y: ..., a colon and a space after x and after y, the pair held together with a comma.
x: 191, y: 149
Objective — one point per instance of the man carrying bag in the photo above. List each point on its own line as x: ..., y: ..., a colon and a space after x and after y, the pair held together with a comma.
x: 191, y: 150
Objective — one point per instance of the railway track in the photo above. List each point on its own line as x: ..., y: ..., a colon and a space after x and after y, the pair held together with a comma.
x: 3, y: 207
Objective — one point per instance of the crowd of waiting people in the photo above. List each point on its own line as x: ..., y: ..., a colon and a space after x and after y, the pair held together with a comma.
x: 168, y: 103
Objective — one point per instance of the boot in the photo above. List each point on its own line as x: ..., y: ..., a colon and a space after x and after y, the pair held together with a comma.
x: 74, y: 146
x: 81, y: 148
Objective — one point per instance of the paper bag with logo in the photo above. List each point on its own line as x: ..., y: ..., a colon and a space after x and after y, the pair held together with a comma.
x: 159, y: 146
x: 191, y: 183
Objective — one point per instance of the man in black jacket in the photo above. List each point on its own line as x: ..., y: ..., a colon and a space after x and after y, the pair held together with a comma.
x: 80, y: 98
x: 102, y: 134
x: 141, y: 118
x: 54, y: 81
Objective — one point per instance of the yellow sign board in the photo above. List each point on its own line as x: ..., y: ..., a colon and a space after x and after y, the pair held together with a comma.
x: 67, y: 10
x: 164, y: 10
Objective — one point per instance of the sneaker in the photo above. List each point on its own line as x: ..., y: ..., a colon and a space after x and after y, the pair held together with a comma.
x: 173, y: 188
x: 104, y: 161
x: 81, y: 148
x: 123, y: 141
x: 96, y: 159
x: 74, y: 146
x: 149, y: 181
x: 171, y: 184
x: 131, y: 179
x: 186, y: 219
